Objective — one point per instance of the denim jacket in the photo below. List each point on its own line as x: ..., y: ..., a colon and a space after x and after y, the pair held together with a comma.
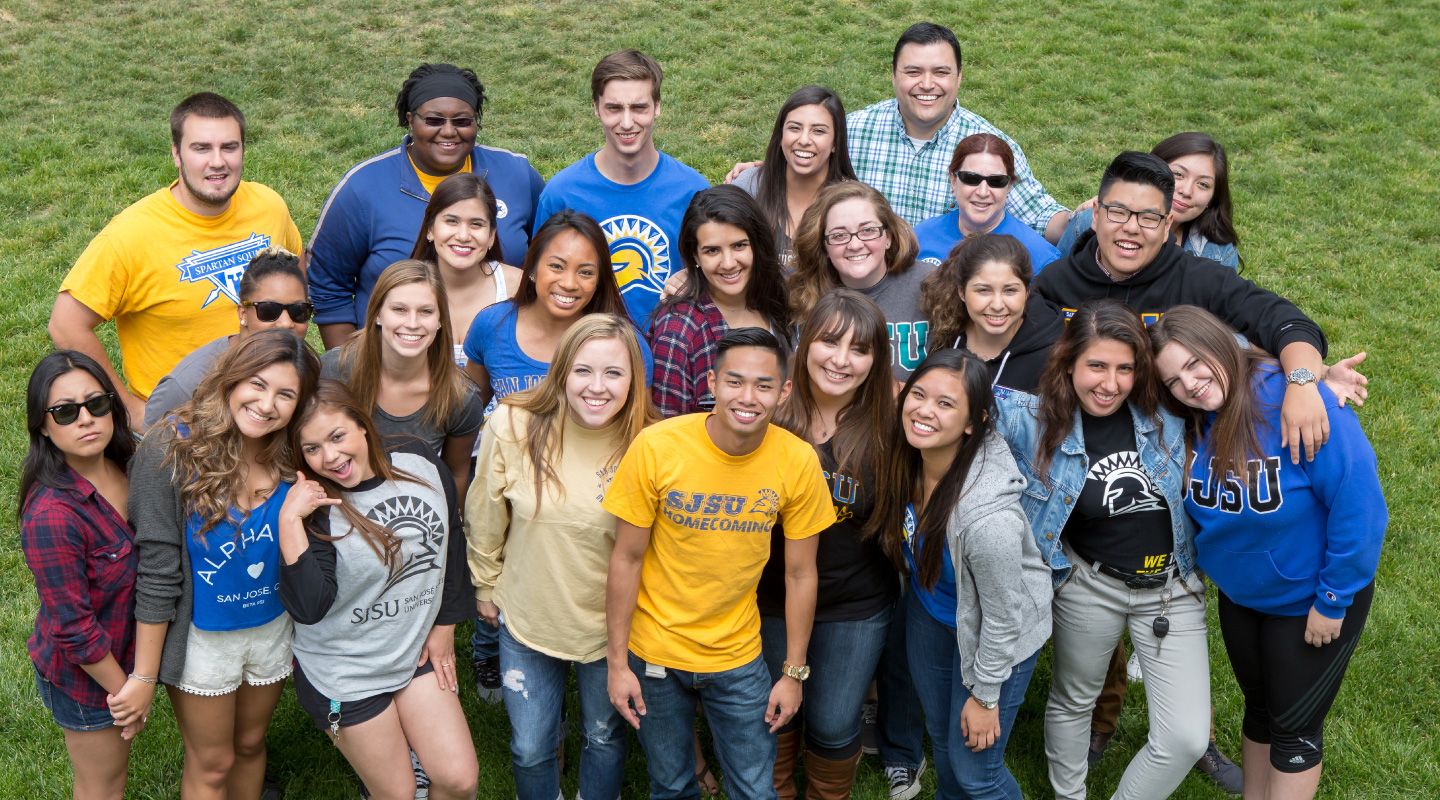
x: 1162, y: 454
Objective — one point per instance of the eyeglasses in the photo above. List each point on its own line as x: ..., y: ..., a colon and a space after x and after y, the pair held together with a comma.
x: 460, y: 123
x: 974, y: 178
x: 66, y: 413
x: 269, y: 310
x: 1122, y: 215
x: 867, y: 234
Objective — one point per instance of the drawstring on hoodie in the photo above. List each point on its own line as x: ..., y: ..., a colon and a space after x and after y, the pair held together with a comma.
x: 1004, y: 357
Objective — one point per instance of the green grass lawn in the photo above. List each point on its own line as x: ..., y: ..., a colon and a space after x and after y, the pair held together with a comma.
x: 1329, y: 111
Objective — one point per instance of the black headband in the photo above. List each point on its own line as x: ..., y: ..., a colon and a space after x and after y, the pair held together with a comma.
x: 443, y: 84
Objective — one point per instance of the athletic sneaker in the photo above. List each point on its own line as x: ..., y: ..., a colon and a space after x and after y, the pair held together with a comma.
x: 869, y: 735
x: 422, y: 781
x: 1132, y: 669
x: 1215, y: 766
x: 904, y: 781
x: 487, y: 678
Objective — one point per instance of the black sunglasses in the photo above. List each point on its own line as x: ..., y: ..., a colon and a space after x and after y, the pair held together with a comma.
x: 269, y: 310
x: 66, y: 413
x: 460, y: 123
x: 974, y: 179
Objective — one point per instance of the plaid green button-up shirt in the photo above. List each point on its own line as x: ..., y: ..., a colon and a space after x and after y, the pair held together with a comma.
x: 914, y: 180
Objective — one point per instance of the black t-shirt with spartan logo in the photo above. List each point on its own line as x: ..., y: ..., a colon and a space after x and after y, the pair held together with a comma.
x: 1120, y: 519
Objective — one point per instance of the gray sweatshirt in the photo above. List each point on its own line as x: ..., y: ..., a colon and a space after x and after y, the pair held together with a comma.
x: 1002, y: 586
x: 358, y: 628
x: 176, y: 389
x: 899, y: 297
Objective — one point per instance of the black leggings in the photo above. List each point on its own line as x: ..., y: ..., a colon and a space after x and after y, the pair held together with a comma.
x: 1288, y: 685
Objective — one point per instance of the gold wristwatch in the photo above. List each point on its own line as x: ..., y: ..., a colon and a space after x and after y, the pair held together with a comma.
x: 798, y: 673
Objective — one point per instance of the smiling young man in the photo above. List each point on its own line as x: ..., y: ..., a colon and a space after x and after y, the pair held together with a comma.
x: 637, y: 193
x: 695, y: 499
x: 903, y: 146
x: 167, y: 269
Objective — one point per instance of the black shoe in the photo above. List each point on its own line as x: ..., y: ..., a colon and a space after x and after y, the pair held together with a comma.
x: 270, y: 789
x: 1098, y: 742
x: 904, y: 781
x: 1215, y: 766
x: 487, y: 678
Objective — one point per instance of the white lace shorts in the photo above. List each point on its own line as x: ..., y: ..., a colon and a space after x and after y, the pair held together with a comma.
x: 217, y: 661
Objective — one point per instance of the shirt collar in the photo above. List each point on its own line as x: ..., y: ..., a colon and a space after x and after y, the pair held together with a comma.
x: 939, y: 132
x: 1107, y: 272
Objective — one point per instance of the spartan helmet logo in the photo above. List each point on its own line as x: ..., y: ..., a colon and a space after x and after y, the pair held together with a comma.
x: 768, y: 503
x: 639, y: 252
x: 1127, y: 488
x: 413, y: 520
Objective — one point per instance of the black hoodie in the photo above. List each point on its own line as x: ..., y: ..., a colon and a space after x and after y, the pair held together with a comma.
x: 1174, y: 278
x: 1019, y: 366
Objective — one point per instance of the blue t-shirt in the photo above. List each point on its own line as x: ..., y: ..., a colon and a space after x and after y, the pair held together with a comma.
x: 940, y: 601
x: 641, y: 221
x: 236, y: 576
x: 492, y: 343
x: 938, y: 235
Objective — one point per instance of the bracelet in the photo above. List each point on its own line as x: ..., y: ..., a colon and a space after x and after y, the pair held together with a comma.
x: 151, y: 681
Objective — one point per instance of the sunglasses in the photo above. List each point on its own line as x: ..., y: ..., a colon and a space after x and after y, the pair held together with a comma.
x: 974, y: 179
x: 460, y: 123
x: 66, y: 413
x: 269, y: 310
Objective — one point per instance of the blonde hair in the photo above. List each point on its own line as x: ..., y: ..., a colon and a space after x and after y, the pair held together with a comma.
x: 361, y: 354
x: 814, y: 275
x: 547, y: 406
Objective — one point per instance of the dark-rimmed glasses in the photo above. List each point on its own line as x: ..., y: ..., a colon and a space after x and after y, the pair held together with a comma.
x: 1121, y: 215
x: 269, y: 310
x: 66, y: 413
x: 867, y: 234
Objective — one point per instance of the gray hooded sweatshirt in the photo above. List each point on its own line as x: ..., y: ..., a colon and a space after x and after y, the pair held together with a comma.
x: 1002, y: 585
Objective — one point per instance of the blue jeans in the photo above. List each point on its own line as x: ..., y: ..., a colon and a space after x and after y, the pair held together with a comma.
x: 734, y: 703
x: 484, y: 642
x: 534, y: 693
x: 901, y: 727
x: 935, y: 665
x: 842, y: 657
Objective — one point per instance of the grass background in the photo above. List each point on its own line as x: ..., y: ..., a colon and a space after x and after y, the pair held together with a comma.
x: 1329, y: 111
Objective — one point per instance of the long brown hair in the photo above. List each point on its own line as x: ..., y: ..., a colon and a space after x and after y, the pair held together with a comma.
x: 361, y: 354
x: 547, y: 406
x: 814, y: 275
x: 1097, y: 319
x: 1234, y: 435
x: 899, y: 476
x: 942, y: 292
x: 208, y: 460
x: 458, y: 188
x: 862, y: 428
x: 771, y: 190
x: 334, y: 396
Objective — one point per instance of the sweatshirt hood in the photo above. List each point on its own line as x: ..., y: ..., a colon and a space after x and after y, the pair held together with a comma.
x: 994, y: 482
x: 1042, y: 325
x: 1082, y: 258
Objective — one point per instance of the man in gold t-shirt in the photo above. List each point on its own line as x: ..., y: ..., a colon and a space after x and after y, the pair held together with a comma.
x: 695, y: 499
x: 167, y: 269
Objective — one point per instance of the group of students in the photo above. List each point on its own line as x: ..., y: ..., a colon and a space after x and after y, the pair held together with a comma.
x: 824, y: 447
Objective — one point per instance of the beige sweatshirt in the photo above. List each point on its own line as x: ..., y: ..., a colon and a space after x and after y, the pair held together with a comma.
x: 545, y: 571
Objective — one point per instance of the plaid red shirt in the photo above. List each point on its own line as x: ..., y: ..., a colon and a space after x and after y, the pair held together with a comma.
x: 682, y: 340
x: 83, y: 557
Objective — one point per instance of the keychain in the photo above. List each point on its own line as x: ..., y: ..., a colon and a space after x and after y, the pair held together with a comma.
x: 1161, y: 626
x: 334, y: 720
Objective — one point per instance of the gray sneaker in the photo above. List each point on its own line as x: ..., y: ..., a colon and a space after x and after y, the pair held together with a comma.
x: 1215, y: 766
x: 904, y: 781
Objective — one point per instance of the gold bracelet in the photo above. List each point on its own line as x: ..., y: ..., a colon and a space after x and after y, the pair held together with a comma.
x: 151, y: 681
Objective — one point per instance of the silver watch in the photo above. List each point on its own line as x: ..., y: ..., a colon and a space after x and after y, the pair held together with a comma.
x: 1300, y: 376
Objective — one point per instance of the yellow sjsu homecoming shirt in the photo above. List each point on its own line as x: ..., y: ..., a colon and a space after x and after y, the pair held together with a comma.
x: 710, y: 516
x: 170, y: 278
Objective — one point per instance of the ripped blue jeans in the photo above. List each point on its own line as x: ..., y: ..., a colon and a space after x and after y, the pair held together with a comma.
x: 533, y: 688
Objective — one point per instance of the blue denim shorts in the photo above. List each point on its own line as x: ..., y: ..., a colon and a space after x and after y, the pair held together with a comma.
x: 68, y: 713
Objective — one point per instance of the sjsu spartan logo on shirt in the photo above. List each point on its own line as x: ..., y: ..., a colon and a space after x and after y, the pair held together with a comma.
x: 1128, y: 489
x: 413, y: 521
x: 1261, y: 490
x: 222, y: 266
x: 639, y: 252
x: 712, y: 511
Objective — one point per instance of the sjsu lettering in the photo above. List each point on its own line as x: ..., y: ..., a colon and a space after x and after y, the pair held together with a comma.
x: 907, y: 342
x: 1231, y: 496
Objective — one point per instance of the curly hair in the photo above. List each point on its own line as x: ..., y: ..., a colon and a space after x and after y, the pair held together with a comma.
x: 814, y: 275
x: 942, y: 292
x: 209, y: 456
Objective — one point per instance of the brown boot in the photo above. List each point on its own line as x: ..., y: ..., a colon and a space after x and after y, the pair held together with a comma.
x: 829, y: 780
x: 787, y: 758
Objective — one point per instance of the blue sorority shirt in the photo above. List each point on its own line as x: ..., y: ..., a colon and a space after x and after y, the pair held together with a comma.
x: 237, y: 573
x: 491, y: 342
x: 938, y: 235
x: 940, y: 602
x: 641, y: 221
